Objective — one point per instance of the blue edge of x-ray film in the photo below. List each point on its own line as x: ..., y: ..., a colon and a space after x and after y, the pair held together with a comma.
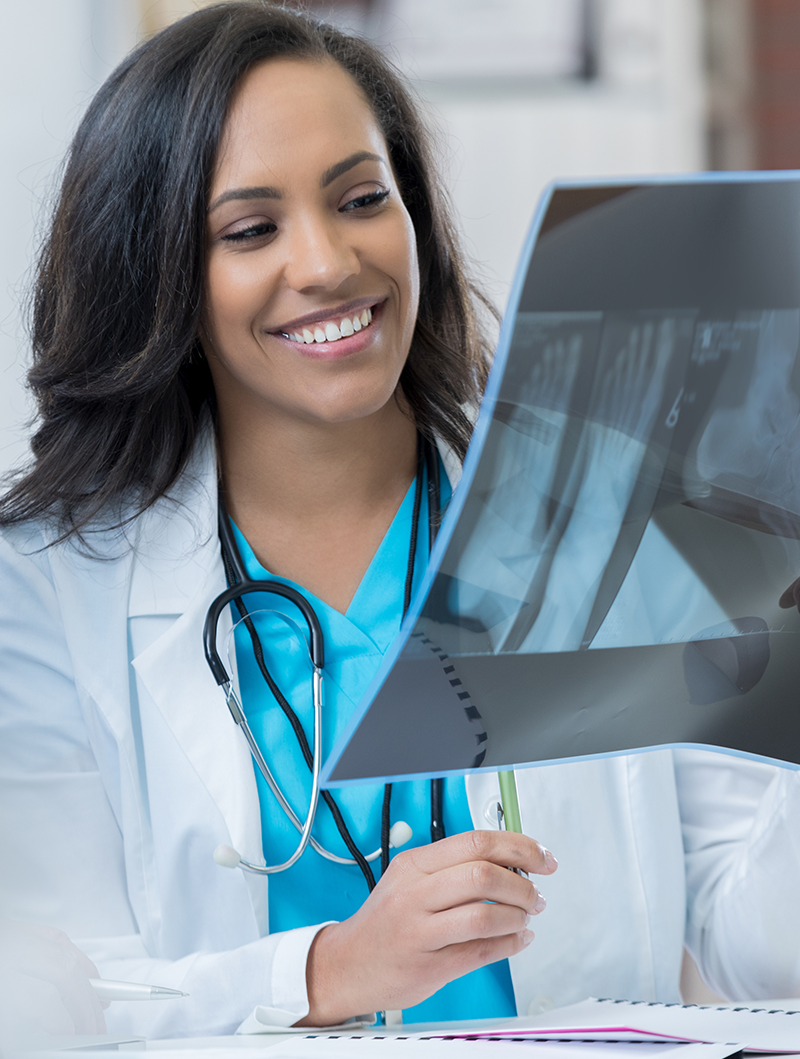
x: 460, y: 495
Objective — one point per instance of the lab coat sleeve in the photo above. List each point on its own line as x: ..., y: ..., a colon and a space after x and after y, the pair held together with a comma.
x: 64, y: 850
x: 259, y: 984
x: 741, y: 828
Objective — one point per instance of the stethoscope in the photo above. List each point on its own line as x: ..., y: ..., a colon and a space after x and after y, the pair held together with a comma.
x: 240, y: 584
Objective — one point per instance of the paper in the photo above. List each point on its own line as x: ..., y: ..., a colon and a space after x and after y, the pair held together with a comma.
x: 372, y: 1047
x: 609, y: 576
x: 756, y: 1029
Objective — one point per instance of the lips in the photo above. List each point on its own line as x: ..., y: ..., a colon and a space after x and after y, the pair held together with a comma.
x: 330, y: 325
x: 331, y: 330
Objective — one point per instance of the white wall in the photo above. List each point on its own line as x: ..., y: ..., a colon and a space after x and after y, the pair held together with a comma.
x: 56, y: 53
x: 644, y: 114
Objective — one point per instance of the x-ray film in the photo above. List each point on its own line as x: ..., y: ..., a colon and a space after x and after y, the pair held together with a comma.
x: 616, y: 568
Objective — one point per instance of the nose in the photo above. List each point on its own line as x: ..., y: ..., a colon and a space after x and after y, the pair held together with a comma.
x: 319, y: 255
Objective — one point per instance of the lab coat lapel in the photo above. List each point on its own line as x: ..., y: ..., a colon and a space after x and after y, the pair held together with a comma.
x: 177, y: 573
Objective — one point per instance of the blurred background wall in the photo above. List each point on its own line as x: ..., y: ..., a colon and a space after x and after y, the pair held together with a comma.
x: 523, y: 91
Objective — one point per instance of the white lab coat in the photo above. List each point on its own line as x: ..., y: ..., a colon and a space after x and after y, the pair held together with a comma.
x: 121, y: 771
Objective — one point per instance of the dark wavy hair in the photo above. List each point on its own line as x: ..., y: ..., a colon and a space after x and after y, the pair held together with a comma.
x: 118, y: 373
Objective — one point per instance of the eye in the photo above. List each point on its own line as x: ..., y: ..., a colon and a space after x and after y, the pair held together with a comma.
x: 365, y: 202
x: 250, y: 232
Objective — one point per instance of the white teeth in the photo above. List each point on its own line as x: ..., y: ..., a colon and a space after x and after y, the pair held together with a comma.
x: 329, y: 332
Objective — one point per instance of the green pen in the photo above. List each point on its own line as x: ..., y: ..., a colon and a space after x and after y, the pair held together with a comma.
x: 508, y: 815
x: 510, y: 801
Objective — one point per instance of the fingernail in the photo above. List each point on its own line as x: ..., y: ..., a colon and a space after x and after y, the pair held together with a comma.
x: 541, y: 904
x: 550, y: 860
x: 526, y: 937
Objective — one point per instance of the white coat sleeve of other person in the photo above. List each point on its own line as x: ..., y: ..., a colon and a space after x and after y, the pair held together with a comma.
x: 117, y: 781
x: 741, y: 826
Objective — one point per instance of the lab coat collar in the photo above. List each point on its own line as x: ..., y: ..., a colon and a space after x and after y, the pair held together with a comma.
x: 176, y: 546
x: 177, y: 572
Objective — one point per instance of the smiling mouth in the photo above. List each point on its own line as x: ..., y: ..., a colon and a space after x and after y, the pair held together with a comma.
x: 331, y: 331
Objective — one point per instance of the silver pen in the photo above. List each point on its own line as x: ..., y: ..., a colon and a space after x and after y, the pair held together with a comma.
x: 108, y: 990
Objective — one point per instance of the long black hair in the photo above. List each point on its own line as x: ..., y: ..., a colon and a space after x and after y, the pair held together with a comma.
x: 118, y: 373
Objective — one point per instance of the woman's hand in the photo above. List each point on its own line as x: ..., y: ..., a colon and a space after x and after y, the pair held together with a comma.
x: 44, y: 983
x: 439, y: 911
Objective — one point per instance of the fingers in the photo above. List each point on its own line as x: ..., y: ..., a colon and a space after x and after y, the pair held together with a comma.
x: 29, y: 1006
x: 478, y: 921
x: 504, y: 848
x: 463, y: 957
x: 66, y: 973
x: 477, y: 901
x: 45, y: 954
x: 479, y: 881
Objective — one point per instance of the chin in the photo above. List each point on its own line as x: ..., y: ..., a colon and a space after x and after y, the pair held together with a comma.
x: 349, y: 408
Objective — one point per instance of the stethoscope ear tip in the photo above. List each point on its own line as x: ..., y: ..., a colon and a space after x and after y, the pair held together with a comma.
x: 227, y: 857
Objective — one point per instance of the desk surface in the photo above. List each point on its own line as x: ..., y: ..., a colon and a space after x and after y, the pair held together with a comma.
x: 242, y: 1041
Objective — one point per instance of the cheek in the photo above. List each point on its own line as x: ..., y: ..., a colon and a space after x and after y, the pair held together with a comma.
x: 220, y: 299
x: 234, y: 294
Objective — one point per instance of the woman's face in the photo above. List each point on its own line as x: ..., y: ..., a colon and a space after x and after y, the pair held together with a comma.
x: 312, y: 277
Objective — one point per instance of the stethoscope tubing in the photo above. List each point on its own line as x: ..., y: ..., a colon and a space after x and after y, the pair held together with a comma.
x: 244, y: 586
x: 236, y: 711
x: 217, y: 667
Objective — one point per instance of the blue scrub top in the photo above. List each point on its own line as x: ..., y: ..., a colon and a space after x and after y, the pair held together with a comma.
x: 315, y: 889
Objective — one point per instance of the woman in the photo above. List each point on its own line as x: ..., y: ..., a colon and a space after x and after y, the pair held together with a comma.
x: 248, y: 256
x: 251, y: 293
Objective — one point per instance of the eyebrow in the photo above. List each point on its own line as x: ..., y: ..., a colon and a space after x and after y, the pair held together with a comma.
x: 328, y: 177
x: 335, y: 171
x: 245, y: 193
